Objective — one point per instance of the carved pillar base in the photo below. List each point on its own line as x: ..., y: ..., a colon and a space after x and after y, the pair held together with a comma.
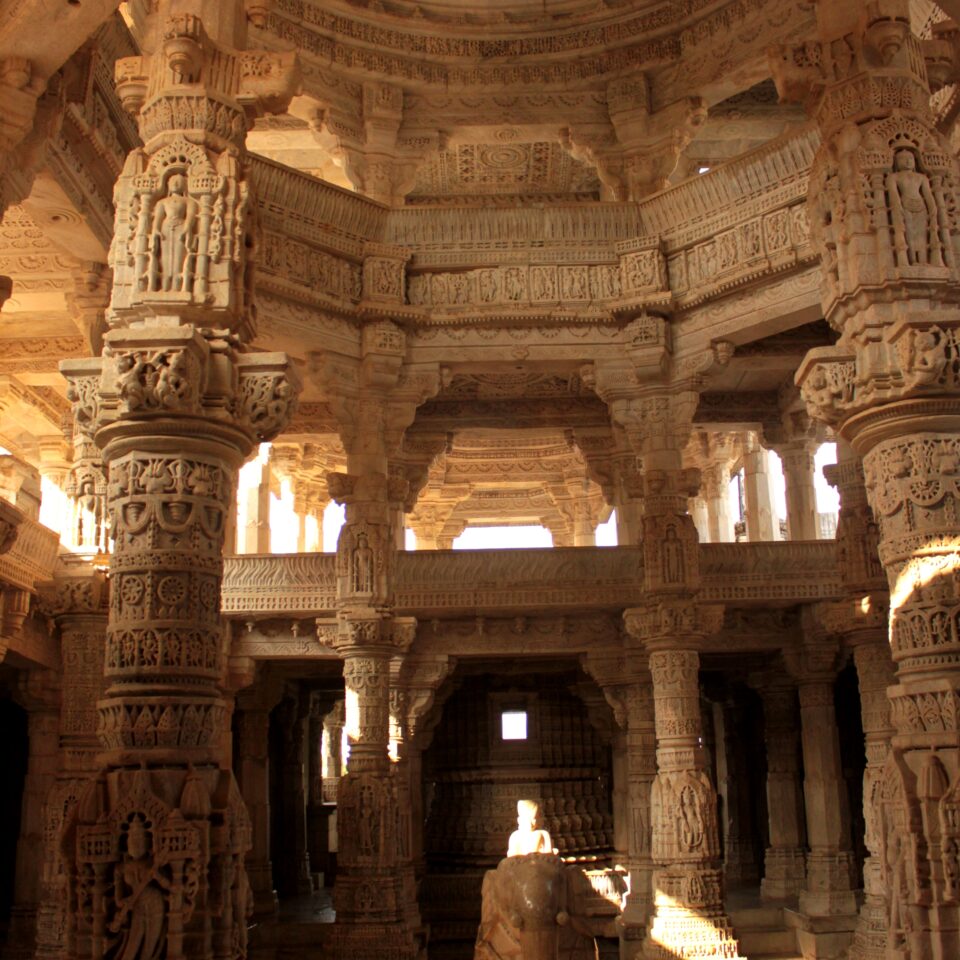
x: 828, y: 873
x: 260, y: 875
x: 174, y: 835
x: 690, y: 921
x: 784, y: 873
x: 870, y: 938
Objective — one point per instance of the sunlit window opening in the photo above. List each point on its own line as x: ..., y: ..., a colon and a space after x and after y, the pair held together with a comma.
x: 499, y: 538
x: 513, y: 725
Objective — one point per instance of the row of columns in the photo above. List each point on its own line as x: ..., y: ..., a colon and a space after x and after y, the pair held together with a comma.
x: 710, y: 509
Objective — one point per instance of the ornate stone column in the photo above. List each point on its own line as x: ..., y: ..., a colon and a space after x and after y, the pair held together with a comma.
x: 374, y: 895
x: 760, y: 517
x: 415, y: 682
x: 255, y: 535
x: 156, y: 848
x: 861, y: 620
x: 629, y: 691
x: 784, y: 862
x: 86, y: 486
x: 253, y: 706
x: 875, y: 671
x: 292, y: 719
x: 78, y: 604
x: 39, y: 694
x: 829, y: 888
x: 796, y: 440
x: 655, y: 403
x: 739, y: 859
x: 253, y: 744
x: 333, y: 724
x: 798, y: 474
x: 882, y: 204
x: 716, y: 490
x: 687, y: 879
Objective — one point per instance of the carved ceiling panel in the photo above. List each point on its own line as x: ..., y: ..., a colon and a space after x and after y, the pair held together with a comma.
x: 37, y: 306
x: 508, y: 167
x: 504, y: 384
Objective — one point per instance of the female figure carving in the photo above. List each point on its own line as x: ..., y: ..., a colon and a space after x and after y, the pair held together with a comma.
x: 140, y: 900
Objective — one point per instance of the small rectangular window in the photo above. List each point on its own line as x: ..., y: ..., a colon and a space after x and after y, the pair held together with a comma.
x: 513, y: 725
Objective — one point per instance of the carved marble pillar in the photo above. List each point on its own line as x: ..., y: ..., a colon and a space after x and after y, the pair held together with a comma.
x: 784, y: 864
x: 317, y: 812
x: 256, y: 531
x: 698, y: 510
x: 654, y: 404
x: 415, y: 682
x: 584, y: 528
x: 78, y: 603
x: 861, y: 620
x: 332, y: 758
x: 687, y: 880
x: 156, y: 847
x: 253, y: 748
x: 760, y: 516
x: 739, y: 855
x: 292, y: 718
x: 875, y: 672
x: 629, y: 690
x: 86, y: 488
x: 172, y: 474
x: 829, y: 888
x: 40, y: 695
x: 798, y: 475
x: 374, y: 895
x: 883, y: 191
x: 716, y: 491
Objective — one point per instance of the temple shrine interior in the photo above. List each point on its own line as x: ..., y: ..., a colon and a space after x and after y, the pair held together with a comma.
x: 479, y: 480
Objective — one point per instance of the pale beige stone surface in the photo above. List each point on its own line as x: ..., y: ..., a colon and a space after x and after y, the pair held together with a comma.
x: 472, y: 265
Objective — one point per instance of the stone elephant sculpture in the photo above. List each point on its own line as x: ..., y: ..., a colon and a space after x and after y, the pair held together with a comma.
x: 530, y: 912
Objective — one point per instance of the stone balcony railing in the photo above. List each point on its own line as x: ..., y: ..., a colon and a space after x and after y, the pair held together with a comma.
x: 432, y: 584
x: 33, y: 555
x: 28, y: 562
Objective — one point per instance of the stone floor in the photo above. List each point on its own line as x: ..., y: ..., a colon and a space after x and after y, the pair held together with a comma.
x: 295, y: 932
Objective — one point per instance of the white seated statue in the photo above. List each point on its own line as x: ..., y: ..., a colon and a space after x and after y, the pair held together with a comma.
x: 527, y: 838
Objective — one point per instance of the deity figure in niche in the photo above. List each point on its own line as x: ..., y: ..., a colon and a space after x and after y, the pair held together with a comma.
x: 913, y: 212
x: 362, y: 565
x: 690, y: 819
x: 174, y: 237
x: 141, y: 900
x: 368, y: 821
x: 527, y: 838
x: 672, y: 556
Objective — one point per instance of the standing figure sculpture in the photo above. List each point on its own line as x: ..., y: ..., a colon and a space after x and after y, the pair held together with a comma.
x: 913, y: 212
x: 363, y: 565
x: 141, y: 900
x: 173, y: 238
x: 533, y: 906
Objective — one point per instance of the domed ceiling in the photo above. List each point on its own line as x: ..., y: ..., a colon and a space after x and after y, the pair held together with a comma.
x: 444, y: 101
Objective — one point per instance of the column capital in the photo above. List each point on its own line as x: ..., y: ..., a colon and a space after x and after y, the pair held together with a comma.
x: 414, y: 683
x: 366, y: 631
x: 158, y: 378
x: 80, y: 589
x: 673, y: 623
x: 817, y: 655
